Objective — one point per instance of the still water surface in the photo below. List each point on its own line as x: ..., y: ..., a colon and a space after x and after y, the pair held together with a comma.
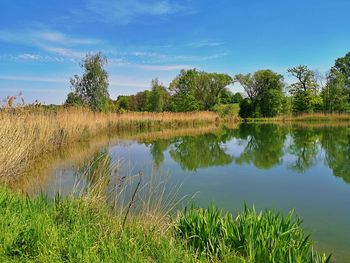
x: 282, y: 167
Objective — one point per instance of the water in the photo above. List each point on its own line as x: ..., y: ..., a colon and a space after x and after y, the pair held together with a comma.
x: 283, y: 167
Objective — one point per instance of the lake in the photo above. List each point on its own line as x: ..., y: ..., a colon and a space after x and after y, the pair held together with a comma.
x: 277, y: 166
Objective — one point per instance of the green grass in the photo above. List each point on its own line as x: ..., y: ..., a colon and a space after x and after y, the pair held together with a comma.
x: 82, y: 230
x: 73, y: 230
x: 256, y: 237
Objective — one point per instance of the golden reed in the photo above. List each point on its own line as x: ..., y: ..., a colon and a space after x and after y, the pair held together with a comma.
x: 27, y: 133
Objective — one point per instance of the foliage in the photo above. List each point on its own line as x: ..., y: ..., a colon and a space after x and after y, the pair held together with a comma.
x: 342, y: 66
x: 335, y: 95
x: 194, y: 90
x: 158, y: 97
x: 73, y: 100
x: 305, y: 90
x: 227, y: 110
x: 246, y: 108
x: 264, y: 90
x: 91, y: 88
x: 228, y: 97
x: 256, y: 237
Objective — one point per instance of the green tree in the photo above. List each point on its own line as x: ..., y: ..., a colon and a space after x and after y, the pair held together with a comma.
x: 246, y: 108
x: 209, y: 87
x: 304, y: 91
x: 73, y: 100
x: 270, y: 85
x: 237, y: 97
x: 183, y: 89
x: 158, y: 97
x: 265, y: 95
x: 335, y: 95
x: 197, y: 90
x: 123, y: 102
x: 342, y: 65
x: 92, y: 86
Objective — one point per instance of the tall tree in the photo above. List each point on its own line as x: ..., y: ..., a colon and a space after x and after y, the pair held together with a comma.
x: 183, y: 89
x: 342, y: 65
x: 270, y: 86
x: 304, y: 91
x: 264, y: 90
x: 92, y: 86
x: 158, y: 97
x: 209, y: 87
x: 335, y: 95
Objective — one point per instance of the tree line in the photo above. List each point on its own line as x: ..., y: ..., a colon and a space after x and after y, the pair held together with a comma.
x: 266, y: 93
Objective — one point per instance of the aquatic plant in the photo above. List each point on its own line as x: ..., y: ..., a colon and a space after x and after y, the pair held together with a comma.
x: 257, y: 237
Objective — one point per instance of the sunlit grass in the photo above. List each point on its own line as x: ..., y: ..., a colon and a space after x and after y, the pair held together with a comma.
x: 256, y: 237
x: 27, y: 133
x: 308, y: 117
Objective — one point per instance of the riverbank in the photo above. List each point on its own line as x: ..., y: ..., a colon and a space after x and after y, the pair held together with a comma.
x: 307, y: 117
x: 82, y: 230
x: 27, y: 133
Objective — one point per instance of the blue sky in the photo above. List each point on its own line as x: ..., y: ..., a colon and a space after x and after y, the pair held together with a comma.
x: 43, y: 41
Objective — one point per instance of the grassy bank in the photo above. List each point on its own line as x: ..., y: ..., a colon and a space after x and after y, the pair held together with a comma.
x: 81, y: 230
x: 306, y: 117
x: 27, y: 133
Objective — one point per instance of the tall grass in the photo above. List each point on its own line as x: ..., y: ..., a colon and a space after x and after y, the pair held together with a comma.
x: 73, y: 230
x: 308, y: 117
x: 256, y: 237
x: 27, y: 133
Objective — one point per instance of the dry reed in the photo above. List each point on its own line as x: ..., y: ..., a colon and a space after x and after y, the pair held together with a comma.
x: 26, y: 134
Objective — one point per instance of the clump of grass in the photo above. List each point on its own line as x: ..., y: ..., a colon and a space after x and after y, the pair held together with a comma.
x: 255, y: 237
x: 75, y: 230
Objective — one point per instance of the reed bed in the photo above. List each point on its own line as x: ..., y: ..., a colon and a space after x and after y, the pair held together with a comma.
x: 27, y: 133
x: 307, y: 117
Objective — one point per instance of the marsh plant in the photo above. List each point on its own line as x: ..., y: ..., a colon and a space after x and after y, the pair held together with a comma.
x: 252, y: 236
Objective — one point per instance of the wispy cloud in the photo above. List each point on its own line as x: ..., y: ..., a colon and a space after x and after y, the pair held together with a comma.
x: 43, y: 36
x: 125, y: 11
x: 206, y: 43
x: 35, y: 78
x: 163, y: 67
x: 51, y: 41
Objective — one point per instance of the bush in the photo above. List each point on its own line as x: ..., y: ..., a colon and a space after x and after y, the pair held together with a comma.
x: 256, y: 237
x: 245, y: 109
x: 226, y: 109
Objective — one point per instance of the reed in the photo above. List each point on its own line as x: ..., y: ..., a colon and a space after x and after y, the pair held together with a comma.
x: 307, y: 117
x: 256, y: 237
x: 27, y: 133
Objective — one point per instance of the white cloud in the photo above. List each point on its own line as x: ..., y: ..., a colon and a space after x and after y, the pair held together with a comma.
x: 163, y: 67
x: 64, y: 52
x: 124, y: 11
x: 205, y: 43
x: 40, y: 37
x: 35, y: 78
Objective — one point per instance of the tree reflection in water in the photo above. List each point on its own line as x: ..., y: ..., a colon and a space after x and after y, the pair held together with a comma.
x: 263, y: 145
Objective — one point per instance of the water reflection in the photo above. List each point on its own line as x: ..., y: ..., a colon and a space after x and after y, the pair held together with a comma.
x: 262, y: 145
